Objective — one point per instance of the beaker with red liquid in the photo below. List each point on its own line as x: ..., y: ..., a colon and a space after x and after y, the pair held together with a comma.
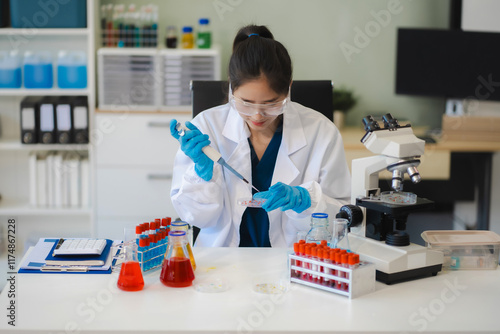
x: 177, y: 270
x: 130, y: 278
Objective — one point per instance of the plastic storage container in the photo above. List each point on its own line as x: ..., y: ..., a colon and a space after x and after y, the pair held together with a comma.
x: 10, y: 70
x: 48, y: 14
x: 38, y: 71
x: 465, y: 249
x: 72, y: 69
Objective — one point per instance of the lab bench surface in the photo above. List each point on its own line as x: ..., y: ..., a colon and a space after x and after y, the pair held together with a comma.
x: 458, y: 301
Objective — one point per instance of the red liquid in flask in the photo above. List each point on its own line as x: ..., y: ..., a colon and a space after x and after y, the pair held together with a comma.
x: 177, y: 272
x: 130, y: 278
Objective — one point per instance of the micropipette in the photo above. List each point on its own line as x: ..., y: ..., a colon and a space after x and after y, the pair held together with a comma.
x: 214, y: 155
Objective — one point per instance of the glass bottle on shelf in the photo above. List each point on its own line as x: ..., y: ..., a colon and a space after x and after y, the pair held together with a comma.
x: 171, y: 39
x: 319, y: 229
x: 187, y: 38
x: 204, y: 37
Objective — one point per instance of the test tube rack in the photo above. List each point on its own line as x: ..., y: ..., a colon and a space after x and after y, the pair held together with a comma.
x: 152, y: 259
x: 353, y: 282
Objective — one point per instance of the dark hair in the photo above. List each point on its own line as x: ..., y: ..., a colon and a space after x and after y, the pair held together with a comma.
x: 257, y: 55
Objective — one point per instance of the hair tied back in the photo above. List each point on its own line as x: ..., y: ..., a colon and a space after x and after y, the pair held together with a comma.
x: 254, y: 34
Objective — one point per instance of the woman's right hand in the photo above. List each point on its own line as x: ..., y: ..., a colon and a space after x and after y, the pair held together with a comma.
x: 192, y: 143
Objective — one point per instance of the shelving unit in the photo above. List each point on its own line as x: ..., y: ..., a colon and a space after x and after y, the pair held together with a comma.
x: 14, y: 156
x: 52, y: 92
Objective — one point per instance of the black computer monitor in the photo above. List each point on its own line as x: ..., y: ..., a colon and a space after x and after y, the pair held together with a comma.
x: 453, y: 64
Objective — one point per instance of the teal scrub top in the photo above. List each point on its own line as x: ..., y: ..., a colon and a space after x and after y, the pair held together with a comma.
x: 254, y: 228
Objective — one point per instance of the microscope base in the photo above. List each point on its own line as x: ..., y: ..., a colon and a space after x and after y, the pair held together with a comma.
x: 407, y: 275
x: 397, y: 264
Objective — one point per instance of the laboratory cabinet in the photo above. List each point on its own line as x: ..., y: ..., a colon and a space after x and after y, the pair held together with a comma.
x: 15, y: 158
x: 134, y: 162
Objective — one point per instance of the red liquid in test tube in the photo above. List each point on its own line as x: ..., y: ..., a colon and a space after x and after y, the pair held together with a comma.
x: 314, y: 267
x: 345, y: 264
x: 296, y: 247
x: 308, y: 276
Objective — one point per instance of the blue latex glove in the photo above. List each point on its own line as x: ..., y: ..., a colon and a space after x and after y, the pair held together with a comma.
x: 191, y: 144
x: 285, y: 197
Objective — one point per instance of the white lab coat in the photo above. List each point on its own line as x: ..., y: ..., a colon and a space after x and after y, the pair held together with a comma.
x: 311, y: 155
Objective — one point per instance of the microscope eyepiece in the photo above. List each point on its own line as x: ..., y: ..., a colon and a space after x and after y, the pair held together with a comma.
x: 390, y: 122
x: 370, y: 123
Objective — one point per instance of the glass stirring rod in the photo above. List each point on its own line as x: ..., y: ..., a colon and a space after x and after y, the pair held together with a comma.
x: 214, y: 155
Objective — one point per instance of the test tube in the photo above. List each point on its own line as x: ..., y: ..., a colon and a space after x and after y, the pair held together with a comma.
x: 345, y: 263
x: 307, y: 276
x: 326, y: 270
x: 321, y: 269
x: 302, y: 253
x: 142, y: 251
x: 147, y: 254
x: 138, y: 232
x: 296, y: 262
x: 314, y: 267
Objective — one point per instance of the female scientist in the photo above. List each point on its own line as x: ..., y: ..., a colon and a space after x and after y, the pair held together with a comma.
x: 292, y: 154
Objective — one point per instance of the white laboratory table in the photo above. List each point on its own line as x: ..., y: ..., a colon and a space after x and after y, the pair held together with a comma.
x: 453, y: 302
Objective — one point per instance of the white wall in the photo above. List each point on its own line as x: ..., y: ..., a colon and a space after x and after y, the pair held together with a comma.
x: 482, y: 15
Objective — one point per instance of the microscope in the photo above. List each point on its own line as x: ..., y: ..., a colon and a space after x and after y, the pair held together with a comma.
x: 378, y: 220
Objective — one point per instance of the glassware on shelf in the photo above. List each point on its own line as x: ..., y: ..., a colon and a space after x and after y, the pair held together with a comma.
x: 10, y: 69
x: 187, y: 41
x: 204, y: 37
x: 38, y: 69
x: 72, y: 69
x: 171, y: 39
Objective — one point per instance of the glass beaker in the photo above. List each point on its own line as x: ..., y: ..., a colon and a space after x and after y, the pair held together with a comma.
x: 130, y: 278
x: 319, y: 229
x: 180, y: 225
x: 177, y: 270
x: 340, y: 231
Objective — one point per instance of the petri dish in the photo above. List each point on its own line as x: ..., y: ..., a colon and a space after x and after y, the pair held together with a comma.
x: 251, y: 202
x: 273, y: 288
x: 211, y: 285
x: 271, y: 282
x: 396, y: 197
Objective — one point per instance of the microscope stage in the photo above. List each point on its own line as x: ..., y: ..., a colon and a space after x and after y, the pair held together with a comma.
x: 395, y: 209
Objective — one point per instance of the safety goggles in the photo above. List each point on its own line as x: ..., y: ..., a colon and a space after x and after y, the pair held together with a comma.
x: 264, y: 109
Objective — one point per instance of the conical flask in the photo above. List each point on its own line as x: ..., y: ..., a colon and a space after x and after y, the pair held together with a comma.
x: 180, y: 225
x: 177, y: 270
x: 130, y: 278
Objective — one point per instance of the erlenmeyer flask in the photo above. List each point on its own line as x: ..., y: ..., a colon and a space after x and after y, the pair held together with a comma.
x: 340, y: 234
x: 177, y: 270
x: 130, y: 278
x: 180, y: 225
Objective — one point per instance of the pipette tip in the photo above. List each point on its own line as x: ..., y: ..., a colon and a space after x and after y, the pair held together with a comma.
x: 246, y: 181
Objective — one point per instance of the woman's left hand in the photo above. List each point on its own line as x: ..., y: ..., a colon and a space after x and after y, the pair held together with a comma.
x: 285, y: 197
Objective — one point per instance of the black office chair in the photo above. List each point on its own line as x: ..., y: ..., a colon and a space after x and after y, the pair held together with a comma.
x: 315, y: 94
